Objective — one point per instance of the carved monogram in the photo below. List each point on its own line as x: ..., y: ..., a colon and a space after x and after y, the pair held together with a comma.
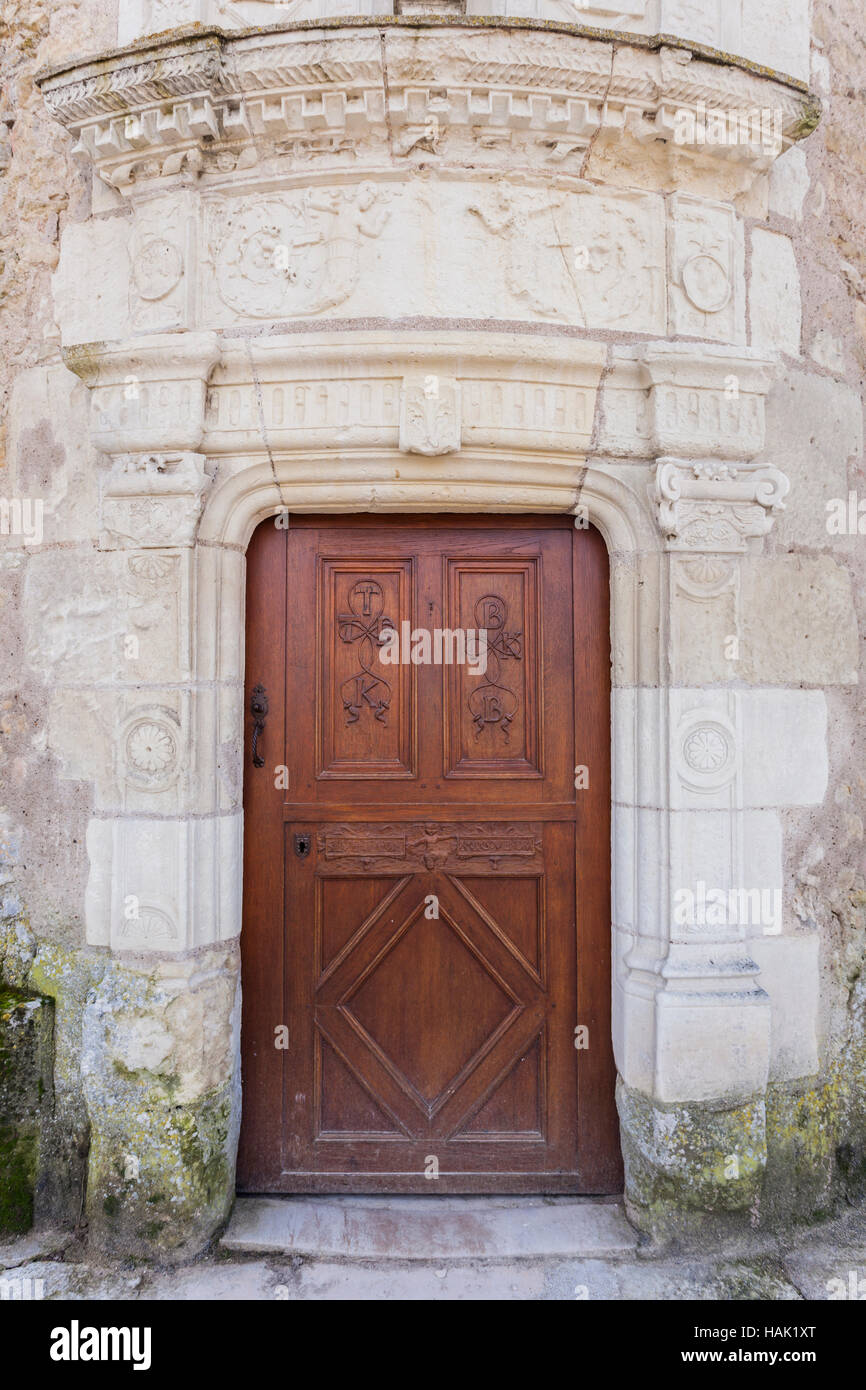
x: 492, y: 704
x: 363, y: 624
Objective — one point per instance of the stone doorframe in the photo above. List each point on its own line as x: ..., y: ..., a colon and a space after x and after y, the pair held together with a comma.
x: 207, y: 435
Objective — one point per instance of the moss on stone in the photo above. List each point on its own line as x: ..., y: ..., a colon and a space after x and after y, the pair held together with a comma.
x: 19, y: 1151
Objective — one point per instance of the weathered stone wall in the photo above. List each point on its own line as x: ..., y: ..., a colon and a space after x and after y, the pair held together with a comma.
x: 818, y: 1132
x: 43, y: 453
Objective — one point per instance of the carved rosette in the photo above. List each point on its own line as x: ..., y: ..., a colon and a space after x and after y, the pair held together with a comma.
x: 150, y: 755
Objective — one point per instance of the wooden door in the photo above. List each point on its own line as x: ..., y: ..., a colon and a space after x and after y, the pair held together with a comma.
x: 426, y: 891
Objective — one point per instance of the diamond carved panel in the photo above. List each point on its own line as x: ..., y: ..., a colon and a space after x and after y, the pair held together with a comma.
x: 429, y: 964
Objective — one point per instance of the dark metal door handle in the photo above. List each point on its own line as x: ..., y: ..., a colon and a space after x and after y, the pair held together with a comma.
x: 259, y: 711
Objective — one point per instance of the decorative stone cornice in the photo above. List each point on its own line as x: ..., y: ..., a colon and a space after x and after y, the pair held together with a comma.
x: 210, y: 104
x: 707, y: 505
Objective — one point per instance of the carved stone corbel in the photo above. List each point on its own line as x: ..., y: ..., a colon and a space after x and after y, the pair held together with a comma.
x: 705, y: 504
x: 152, y: 500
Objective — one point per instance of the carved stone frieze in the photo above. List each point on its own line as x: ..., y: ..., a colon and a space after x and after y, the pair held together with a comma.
x: 597, y: 260
x: 286, y: 256
x: 294, y: 392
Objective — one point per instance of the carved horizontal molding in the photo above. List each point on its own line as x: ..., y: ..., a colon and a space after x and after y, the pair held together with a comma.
x: 213, y: 105
x: 708, y: 505
x: 293, y: 393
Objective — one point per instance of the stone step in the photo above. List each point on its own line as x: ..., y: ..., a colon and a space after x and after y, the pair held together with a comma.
x: 430, y: 1228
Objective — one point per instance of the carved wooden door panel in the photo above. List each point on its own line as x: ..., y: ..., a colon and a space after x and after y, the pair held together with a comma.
x: 426, y: 921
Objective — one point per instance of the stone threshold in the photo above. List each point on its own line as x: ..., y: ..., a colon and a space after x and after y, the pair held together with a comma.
x: 430, y: 1228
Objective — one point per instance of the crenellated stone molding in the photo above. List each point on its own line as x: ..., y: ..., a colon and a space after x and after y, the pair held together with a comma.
x: 213, y: 105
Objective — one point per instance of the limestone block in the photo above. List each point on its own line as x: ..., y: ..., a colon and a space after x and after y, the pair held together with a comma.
x: 774, y: 294
x: 705, y: 619
x: 777, y: 36
x: 814, y: 432
x: 689, y: 1165
x: 164, y: 885
x: 91, y: 284
x: 798, y: 622
x: 706, y: 750
x: 635, y: 589
x: 220, y: 597
x: 785, y: 759
x: 152, y: 500
x: 708, y: 1048
x: 725, y: 874
x: 632, y: 830
x: 137, y: 18
x: 51, y: 457
x: 168, y: 752
x: 163, y: 250
x: 147, y: 394
x: 706, y: 268
x: 827, y: 350
x: 727, y: 749
x: 789, y: 184
x: 789, y: 974
x: 669, y: 398
x: 96, y: 619
x: 634, y: 1030
x: 157, y: 1063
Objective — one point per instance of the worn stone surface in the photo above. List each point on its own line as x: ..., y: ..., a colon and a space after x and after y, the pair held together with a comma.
x: 428, y: 1228
x: 826, y: 1263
